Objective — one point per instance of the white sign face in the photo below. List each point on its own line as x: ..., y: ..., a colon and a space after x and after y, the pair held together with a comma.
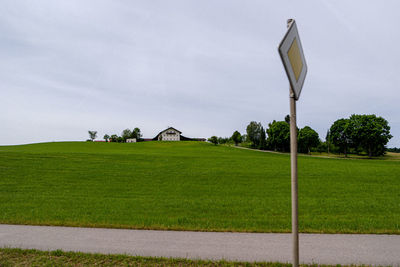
x: 293, y: 59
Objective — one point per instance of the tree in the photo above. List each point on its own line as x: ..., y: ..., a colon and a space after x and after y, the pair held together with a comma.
x: 340, y: 135
x: 307, y: 138
x: 371, y: 133
x: 254, y: 133
x: 114, y: 138
x: 223, y: 140
x: 136, y: 133
x: 278, y: 136
x: 106, y: 137
x: 92, y: 135
x: 393, y: 149
x: 213, y: 139
x: 287, y: 119
x: 263, y: 141
x: 126, y: 134
x: 236, y: 137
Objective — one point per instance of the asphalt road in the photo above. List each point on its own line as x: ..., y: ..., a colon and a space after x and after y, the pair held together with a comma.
x: 314, y: 248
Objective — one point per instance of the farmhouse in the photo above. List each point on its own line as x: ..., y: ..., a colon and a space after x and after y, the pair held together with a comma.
x: 169, y: 134
x: 172, y: 134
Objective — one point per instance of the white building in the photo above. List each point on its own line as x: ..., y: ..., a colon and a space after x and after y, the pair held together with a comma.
x: 131, y: 140
x: 170, y: 134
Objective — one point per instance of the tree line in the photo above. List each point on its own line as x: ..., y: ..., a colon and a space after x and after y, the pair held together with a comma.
x: 394, y: 149
x: 126, y: 134
x: 358, y: 134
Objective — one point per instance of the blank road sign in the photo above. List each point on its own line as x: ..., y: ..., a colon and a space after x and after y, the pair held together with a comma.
x: 293, y: 59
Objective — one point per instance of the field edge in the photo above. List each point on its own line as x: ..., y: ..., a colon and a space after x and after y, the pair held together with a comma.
x: 23, y: 257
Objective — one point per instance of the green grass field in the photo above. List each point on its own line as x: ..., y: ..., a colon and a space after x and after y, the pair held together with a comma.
x: 193, y: 186
x: 18, y: 257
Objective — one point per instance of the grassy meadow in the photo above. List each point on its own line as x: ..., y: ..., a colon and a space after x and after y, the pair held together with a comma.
x: 193, y: 186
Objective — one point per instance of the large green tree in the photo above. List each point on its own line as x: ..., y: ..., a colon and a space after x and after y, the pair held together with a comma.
x: 236, y: 137
x: 278, y: 136
x: 371, y: 133
x: 307, y: 138
x: 253, y: 131
x: 136, y: 134
x: 126, y: 134
x: 340, y: 135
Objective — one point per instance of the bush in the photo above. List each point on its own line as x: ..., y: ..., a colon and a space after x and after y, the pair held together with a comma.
x: 213, y: 139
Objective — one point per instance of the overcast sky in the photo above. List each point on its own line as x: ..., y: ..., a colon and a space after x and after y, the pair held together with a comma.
x: 205, y: 67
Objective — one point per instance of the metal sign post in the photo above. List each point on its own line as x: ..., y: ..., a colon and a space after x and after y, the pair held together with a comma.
x: 293, y: 167
x: 292, y: 56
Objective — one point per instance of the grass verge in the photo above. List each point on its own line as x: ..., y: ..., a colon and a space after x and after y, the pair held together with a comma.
x: 19, y: 257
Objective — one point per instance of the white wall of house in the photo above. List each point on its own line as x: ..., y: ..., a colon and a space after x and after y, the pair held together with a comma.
x: 169, y: 135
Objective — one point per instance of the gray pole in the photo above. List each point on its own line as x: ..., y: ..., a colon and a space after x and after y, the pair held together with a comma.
x: 293, y: 161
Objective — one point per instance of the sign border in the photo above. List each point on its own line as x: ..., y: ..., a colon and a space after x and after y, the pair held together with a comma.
x: 283, y: 49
